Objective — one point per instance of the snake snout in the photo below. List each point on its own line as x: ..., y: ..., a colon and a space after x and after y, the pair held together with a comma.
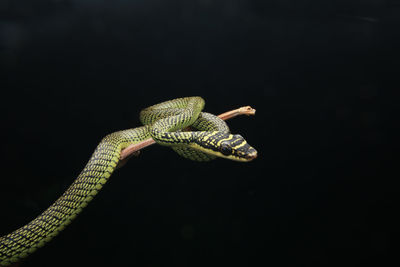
x: 251, y: 154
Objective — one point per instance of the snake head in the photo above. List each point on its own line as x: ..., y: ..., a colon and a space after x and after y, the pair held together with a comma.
x: 224, y: 145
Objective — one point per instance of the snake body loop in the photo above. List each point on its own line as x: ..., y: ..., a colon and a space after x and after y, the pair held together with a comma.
x: 163, y: 122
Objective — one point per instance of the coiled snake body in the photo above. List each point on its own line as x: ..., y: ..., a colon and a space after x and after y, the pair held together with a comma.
x: 163, y: 122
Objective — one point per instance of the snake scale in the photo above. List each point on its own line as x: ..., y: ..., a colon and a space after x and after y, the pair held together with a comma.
x: 165, y: 123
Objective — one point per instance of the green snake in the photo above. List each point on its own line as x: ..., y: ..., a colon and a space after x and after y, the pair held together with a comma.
x: 165, y: 123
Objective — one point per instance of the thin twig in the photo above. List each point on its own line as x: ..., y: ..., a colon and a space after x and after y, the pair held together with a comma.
x: 247, y: 110
x: 135, y: 148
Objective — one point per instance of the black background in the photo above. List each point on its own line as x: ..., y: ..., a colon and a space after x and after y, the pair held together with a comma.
x: 319, y: 73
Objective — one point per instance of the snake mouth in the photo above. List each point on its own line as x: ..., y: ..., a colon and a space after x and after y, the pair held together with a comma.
x: 251, y: 155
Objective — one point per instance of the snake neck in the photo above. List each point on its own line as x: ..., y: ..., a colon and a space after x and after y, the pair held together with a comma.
x: 168, y: 119
x: 167, y: 131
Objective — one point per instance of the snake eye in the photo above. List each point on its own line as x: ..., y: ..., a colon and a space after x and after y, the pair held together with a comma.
x: 226, y: 149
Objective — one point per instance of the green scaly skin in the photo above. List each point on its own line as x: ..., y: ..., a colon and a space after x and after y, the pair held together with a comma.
x: 163, y: 122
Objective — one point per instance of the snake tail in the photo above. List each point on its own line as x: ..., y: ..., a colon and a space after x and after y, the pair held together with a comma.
x: 27, y: 239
